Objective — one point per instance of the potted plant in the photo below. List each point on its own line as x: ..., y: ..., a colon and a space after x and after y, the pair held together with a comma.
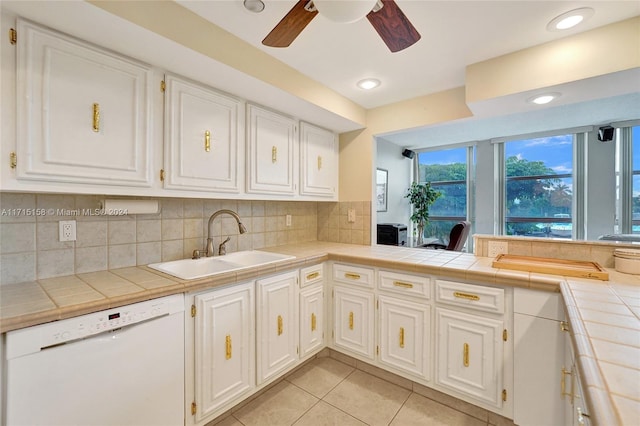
x: 421, y: 197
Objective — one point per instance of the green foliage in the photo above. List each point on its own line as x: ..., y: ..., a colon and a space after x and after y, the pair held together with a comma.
x: 421, y: 197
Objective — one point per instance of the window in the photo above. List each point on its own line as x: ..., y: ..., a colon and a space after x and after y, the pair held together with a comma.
x: 448, y: 172
x: 628, y: 180
x: 539, y: 187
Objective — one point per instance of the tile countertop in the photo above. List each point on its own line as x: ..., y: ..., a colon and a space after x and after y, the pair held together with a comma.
x: 604, y: 316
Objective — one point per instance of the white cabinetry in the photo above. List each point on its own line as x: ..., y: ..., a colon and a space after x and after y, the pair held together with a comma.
x: 311, y: 319
x: 470, y: 346
x: 318, y: 161
x: 353, y: 321
x: 224, y: 350
x: 312, y: 310
x: 203, y: 138
x: 83, y: 112
x: 277, y: 326
x: 405, y: 323
x: 539, y: 365
x: 405, y: 336
x: 575, y: 408
x: 272, y: 148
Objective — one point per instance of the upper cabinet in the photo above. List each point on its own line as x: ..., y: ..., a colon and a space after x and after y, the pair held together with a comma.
x: 318, y: 161
x: 203, y: 135
x: 83, y: 112
x: 272, y: 147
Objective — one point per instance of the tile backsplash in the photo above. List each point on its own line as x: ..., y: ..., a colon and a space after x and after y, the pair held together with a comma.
x: 30, y: 248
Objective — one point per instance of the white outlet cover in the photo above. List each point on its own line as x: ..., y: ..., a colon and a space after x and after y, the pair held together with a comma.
x: 495, y: 248
x: 67, y: 230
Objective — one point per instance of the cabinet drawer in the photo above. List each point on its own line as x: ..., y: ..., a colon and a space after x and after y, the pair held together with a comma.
x: 311, y: 275
x: 348, y: 274
x: 480, y: 298
x: 412, y: 285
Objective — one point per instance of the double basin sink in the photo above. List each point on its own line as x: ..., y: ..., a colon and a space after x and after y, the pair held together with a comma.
x: 190, y: 269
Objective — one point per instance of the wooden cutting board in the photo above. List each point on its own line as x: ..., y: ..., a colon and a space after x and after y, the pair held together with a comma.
x: 543, y: 265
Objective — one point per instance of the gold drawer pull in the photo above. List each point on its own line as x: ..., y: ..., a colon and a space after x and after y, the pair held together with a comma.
x: 402, y: 337
x: 274, y: 154
x: 465, y: 354
x: 319, y: 162
x: 313, y: 322
x: 350, y: 320
x: 313, y: 275
x: 402, y: 284
x: 279, y: 325
x: 563, y: 385
x: 466, y: 296
x: 228, y: 345
x: 207, y: 141
x: 96, y: 117
x: 352, y: 276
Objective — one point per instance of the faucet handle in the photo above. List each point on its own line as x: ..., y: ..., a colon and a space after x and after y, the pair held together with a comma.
x: 196, y: 254
x: 222, y: 249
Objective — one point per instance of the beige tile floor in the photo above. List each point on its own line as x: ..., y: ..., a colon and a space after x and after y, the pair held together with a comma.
x: 327, y: 392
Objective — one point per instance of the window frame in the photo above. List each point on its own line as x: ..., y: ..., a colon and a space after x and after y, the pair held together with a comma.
x: 470, y: 156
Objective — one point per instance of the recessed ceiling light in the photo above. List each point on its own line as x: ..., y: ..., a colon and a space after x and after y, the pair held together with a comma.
x: 368, y: 83
x: 544, y: 98
x: 570, y: 19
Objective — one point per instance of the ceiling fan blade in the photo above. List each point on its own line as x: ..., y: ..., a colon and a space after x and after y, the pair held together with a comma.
x: 289, y: 27
x: 393, y: 26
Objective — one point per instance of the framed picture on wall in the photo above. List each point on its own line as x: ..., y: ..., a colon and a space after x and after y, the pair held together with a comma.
x: 382, y: 181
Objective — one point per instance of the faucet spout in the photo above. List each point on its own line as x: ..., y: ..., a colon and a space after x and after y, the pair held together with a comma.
x: 241, y: 228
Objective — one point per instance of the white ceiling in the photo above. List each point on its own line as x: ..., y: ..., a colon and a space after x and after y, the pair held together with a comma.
x: 454, y: 34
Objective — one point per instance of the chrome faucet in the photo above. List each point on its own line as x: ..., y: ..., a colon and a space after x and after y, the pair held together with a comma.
x: 222, y: 250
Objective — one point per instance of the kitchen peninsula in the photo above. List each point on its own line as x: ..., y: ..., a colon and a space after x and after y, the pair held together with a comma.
x: 607, y: 364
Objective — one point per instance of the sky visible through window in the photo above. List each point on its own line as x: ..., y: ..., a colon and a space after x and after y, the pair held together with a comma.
x: 555, y: 152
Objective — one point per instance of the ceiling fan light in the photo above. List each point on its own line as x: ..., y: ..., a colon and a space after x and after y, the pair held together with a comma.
x: 368, y: 83
x: 255, y: 6
x: 344, y: 11
x: 570, y: 19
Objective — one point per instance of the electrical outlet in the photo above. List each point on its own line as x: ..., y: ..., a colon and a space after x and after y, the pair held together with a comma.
x: 67, y: 230
x: 287, y: 220
x: 351, y: 215
x: 495, y: 248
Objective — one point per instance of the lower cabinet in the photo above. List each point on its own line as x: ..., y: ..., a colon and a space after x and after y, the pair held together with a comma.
x: 405, y: 336
x: 541, y: 374
x: 353, y: 321
x: 277, y: 325
x: 575, y: 408
x: 311, y: 320
x: 224, y: 349
x: 469, y: 355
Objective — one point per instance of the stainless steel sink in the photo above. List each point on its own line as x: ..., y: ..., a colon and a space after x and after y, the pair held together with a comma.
x: 189, y: 269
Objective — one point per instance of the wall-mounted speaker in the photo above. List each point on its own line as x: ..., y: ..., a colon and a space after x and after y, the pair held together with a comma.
x: 606, y: 133
x: 408, y: 153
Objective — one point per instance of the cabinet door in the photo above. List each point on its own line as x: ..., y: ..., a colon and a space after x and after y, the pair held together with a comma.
x: 277, y: 325
x: 223, y: 347
x: 83, y: 112
x: 202, y: 136
x: 538, y: 373
x: 318, y: 160
x: 405, y: 336
x: 272, y: 148
x: 353, y: 321
x: 469, y: 355
x: 311, y: 319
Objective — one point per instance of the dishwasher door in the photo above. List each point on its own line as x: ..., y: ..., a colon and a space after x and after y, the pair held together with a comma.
x: 129, y: 375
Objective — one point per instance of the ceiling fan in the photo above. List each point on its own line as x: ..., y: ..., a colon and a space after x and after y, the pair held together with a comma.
x: 386, y: 17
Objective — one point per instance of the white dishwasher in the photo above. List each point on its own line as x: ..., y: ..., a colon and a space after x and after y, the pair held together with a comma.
x: 122, y: 366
